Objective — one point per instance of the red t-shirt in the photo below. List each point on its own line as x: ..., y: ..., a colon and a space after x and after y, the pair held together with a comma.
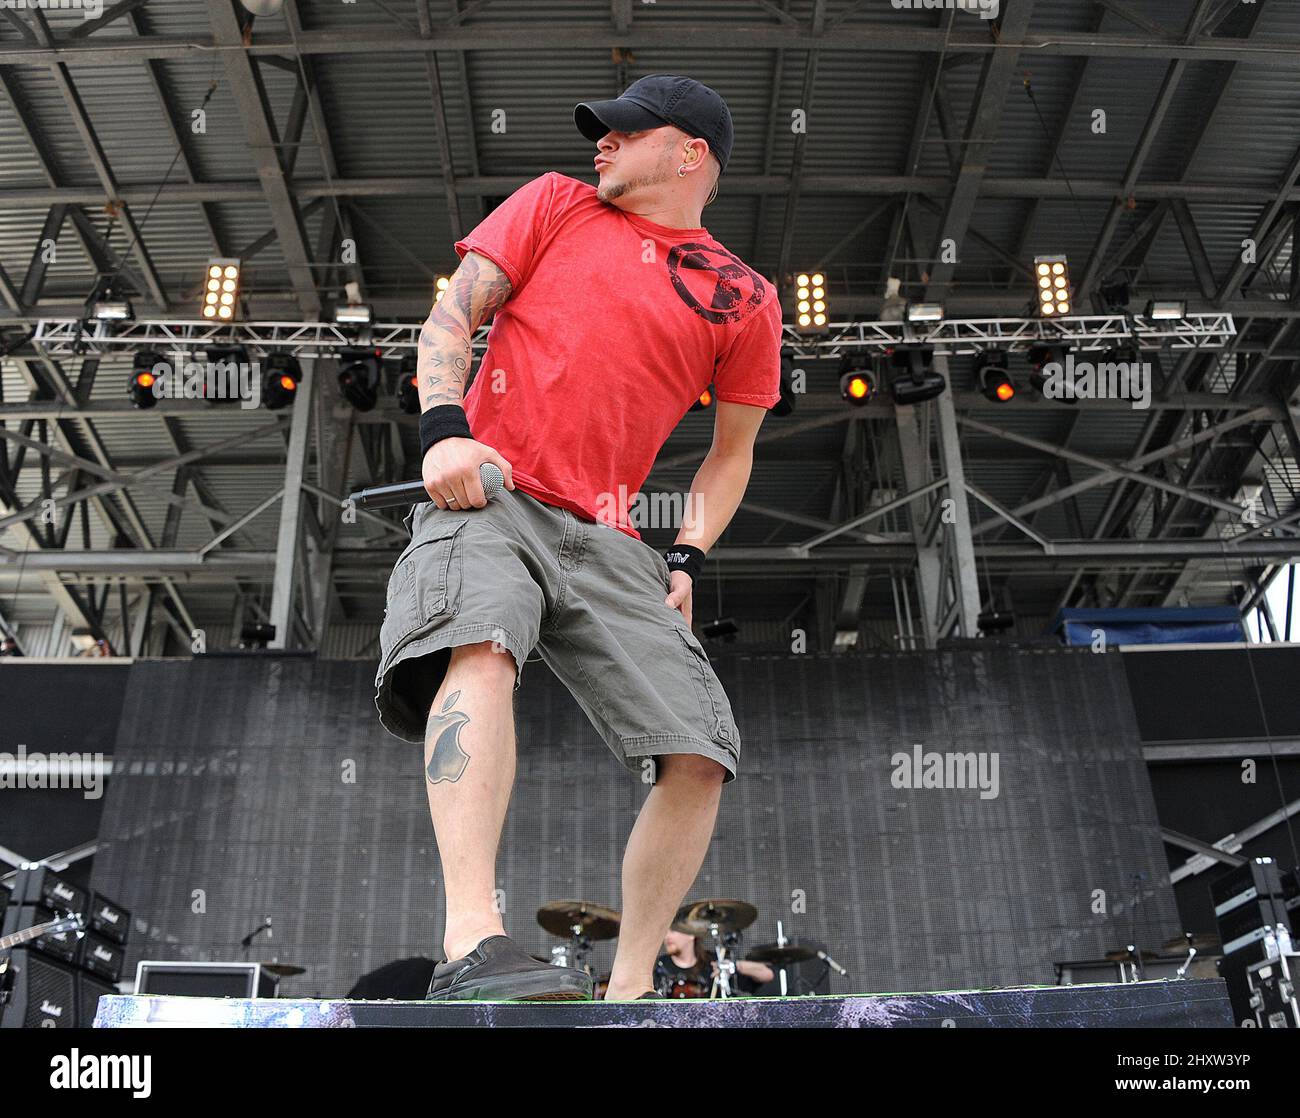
x: 613, y: 328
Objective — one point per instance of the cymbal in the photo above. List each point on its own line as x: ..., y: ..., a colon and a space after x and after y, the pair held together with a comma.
x: 1202, y: 941
x: 695, y: 917
x: 596, y: 920
x: 781, y: 956
x: 282, y: 970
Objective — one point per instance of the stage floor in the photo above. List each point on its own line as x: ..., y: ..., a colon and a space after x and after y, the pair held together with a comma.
x: 1192, y: 1003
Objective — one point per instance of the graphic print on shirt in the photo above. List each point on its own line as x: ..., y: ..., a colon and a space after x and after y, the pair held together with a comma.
x: 715, y: 284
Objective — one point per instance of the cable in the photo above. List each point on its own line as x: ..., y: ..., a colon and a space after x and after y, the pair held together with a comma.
x: 139, y: 232
x: 934, y: 92
x: 317, y: 126
x: 1056, y: 155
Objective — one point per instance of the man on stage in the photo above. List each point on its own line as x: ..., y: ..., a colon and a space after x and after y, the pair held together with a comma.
x: 614, y: 309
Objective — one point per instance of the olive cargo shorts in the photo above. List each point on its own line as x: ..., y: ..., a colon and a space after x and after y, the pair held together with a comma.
x: 590, y: 598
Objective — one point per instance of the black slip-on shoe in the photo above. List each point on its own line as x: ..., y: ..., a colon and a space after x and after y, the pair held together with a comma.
x: 498, y: 969
x: 650, y: 995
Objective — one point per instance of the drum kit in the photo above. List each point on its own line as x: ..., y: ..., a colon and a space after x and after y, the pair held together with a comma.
x: 717, y: 922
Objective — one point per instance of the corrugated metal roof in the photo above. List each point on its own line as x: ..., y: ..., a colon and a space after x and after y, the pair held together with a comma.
x: 514, y: 119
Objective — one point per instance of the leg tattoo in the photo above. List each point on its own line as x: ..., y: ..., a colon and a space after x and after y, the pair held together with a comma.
x: 448, y: 760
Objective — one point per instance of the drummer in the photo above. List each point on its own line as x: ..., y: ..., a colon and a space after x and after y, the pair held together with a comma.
x: 685, y: 968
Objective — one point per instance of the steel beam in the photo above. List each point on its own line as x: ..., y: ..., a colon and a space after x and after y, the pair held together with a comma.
x: 883, y: 36
x: 981, y: 133
x: 914, y: 458
x: 758, y: 561
x: 817, y: 21
x: 255, y: 114
x: 428, y: 186
x: 289, y: 538
x: 1262, y: 226
x: 965, y: 578
x: 1107, y: 471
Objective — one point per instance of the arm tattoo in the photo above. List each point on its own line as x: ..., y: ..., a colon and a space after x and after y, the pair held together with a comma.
x: 477, y: 289
x: 447, y: 760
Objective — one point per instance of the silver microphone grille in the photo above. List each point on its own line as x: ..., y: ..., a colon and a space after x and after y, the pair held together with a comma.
x: 492, y: 478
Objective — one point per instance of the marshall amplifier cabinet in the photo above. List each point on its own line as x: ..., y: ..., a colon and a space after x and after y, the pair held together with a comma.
x: 63, y: 945
x: 42, y: 886
x: 1273, y: 993
x: 107, y: 919
x: 102, y: 957
x: 42, y: 993
x: 89, y: 990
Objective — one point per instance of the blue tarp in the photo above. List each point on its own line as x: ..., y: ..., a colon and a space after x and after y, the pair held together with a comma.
x: 1200, y: 625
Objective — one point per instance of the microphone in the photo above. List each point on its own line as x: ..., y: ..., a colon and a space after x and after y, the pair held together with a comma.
x: 414, y: 492
x: 265, y: 926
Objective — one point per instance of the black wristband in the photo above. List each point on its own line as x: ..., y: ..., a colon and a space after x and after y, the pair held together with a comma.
x: 446, y: 421
x: 684, y: 557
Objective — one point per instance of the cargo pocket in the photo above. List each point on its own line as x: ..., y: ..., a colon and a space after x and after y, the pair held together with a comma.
x: 425, y: 584
x: 713, y: 706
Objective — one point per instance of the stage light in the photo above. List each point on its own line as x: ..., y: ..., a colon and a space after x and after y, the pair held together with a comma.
x: 916, y: 381
x: 1115, y: 296
x: 997, y: 386
x: 1168, y: 310
x: 857, y: 382
x: 224, y: 379
x: 141, y: 386
x: 924, y: 312
x: 704, y: 401
x: 256, y: 635
x: 352, y: 314
x: 221, y: 289
x: 359, y: 376
x: 1052, y: 274
x: 108, y: 304
x: 408, y: 385
x: 1040, y: 356
x: 280, y: 381
x: 994, y: 380
x: 991, y: 621
x: 113, y: 312
x: 440, y: 286
x: 812, y: 315
x: 106, y: 308
x: 723, y: 628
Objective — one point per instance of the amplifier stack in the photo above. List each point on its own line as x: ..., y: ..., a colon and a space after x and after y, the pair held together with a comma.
x: 55, y: 979
x: 1254, y: 928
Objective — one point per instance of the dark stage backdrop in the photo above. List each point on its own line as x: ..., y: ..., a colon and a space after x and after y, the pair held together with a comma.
x: 231, y: 801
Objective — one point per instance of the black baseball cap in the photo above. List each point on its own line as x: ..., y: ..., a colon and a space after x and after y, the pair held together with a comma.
x: 660, y: 99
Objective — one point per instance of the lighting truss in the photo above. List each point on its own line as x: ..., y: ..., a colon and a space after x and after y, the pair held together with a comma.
x: 1083, y: 333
